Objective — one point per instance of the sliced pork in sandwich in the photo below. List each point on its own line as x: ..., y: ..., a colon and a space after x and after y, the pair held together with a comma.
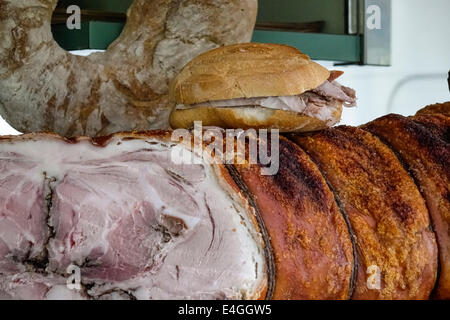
x: 258, y: 86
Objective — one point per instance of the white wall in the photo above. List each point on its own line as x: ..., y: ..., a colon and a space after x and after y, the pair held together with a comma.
x: 6, y: 129
x: 420, y: 62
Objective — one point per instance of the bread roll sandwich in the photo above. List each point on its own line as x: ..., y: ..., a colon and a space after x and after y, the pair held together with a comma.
x: 257, y: 85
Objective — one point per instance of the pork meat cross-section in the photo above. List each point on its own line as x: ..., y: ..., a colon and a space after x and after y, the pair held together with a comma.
x: 137, y: 224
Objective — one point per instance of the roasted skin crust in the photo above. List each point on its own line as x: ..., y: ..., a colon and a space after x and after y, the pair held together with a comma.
x: 312, y: 246
x: 440, y: 108
x: 96, y: 141
x: 438, y: 124
x: 422, y: 144
x: 385, y: 209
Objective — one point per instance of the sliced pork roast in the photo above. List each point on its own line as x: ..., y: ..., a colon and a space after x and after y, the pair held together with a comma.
x: 314, y: 251
x: 136, y: 223
x: 387, y: 213
x: 422, y: 143
x: 141, y: 220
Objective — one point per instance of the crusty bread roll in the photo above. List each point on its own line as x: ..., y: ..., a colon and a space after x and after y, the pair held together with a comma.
x: 245, y: 71
x: 45, y: 88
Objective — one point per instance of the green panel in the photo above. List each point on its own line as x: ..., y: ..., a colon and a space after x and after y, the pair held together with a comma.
x: 99, y: 35
x: 104, y: 5
x: 102, y: 34
x: 345, y: 48
x: 333, y: 12
x: 92, y: 35
x: 71, y: 39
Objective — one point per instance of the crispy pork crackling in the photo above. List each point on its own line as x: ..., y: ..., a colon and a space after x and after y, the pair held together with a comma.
x: 423, y: 144
x: 386, y: 212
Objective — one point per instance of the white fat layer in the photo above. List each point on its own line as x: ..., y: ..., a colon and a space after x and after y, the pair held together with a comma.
x: 287, y: 103
x: 231, y: 266
x: 326, y: 114
x: 62, y: 292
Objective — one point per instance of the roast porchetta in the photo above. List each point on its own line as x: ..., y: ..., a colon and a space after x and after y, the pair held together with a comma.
x: 346, y: 201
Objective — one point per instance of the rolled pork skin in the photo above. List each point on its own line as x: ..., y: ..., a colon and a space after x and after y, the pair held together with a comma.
x: 386, y: 211
x: 422, y: 143
x: 313, y: 248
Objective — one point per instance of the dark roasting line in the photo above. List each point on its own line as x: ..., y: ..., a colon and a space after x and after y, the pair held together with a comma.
x: 40, y: 263
x: 268, y: 250
x: 212, y: 223
x: 346, y: 219
x: 178, y: 178
x: 129, y: 294
x: 405, y: 165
